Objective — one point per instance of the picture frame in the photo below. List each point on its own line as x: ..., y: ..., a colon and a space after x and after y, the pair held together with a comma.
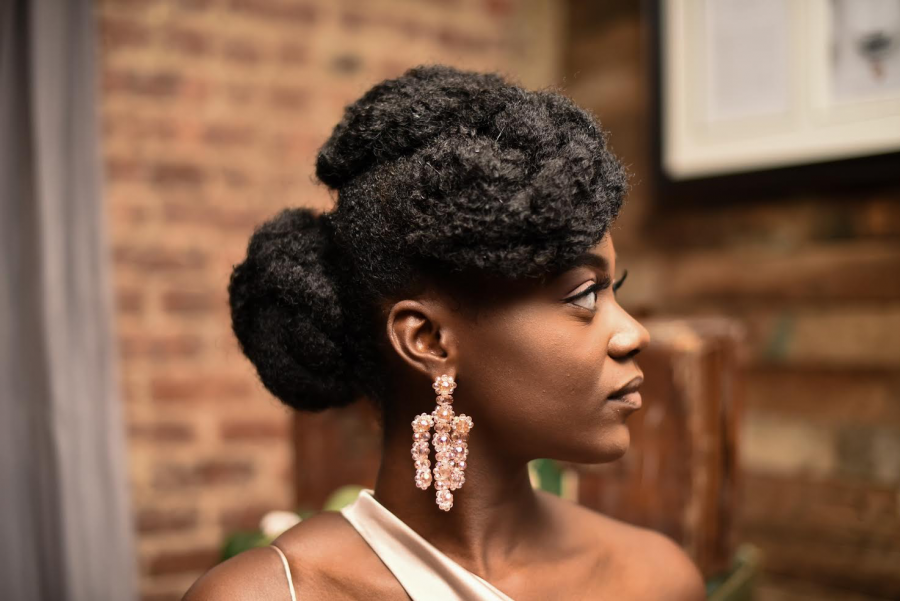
x: 774, y: 96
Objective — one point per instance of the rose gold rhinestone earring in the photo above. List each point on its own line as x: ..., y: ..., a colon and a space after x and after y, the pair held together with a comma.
x: 451, y: 449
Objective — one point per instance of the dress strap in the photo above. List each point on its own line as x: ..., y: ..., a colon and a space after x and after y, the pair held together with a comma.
x: 424, y: 572
x: 287, y: 572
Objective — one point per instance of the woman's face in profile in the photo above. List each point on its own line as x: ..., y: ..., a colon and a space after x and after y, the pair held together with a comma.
x: 545, y: 367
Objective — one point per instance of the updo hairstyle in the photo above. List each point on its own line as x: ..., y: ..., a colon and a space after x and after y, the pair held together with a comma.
x: 438, y: 171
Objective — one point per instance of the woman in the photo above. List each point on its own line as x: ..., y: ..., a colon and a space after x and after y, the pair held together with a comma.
x: 468, y: 256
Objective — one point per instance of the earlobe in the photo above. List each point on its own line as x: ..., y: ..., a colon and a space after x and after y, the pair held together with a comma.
x: 416, y: 334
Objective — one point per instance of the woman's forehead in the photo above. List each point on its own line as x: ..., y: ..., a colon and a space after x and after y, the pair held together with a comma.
x: 605, y: 248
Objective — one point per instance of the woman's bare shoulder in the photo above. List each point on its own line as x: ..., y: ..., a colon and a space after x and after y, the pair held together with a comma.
x: 253, y: 575
x: 340, y: 564
x: 319, y: 551
x: 645, y: 558
x: 657, y: 564
x: 664, y: 567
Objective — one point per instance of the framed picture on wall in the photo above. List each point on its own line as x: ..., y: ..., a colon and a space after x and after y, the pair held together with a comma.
x: 772, y: 95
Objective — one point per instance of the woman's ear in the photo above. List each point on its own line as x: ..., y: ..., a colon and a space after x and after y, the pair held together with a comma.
x: 420, y: 337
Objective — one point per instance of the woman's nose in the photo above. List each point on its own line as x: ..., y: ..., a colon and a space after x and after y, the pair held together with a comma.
x: 629, y: 339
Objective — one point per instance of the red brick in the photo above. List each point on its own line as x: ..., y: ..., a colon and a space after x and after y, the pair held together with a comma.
x: 129, y: 301
x: 145, y: 345
x: 191, y: 303
x: 390, y: 68
x: 128, y: 389
x: 155, y: 521
x: 354, y: 20
x: 294, y: 54
x: 222, y: 134
x: 459, y: 40
x: 164, y: 84
x: 158, y: 258
x: 241, y: 52
x: 130, y: 125
x: 498, y: 8
x: 409, y: 27
x: 196, y: 91
x: 243, y: 518
x: 297, y: 145
x: 216, y: 216
x: 162, y: 433
x: 173, y: 476
x: 346, y: 63
x: 124, y: 216
x: 178, y: 562
x: 237, y: 178
x: 119, y: 169
x: 116, y: 34
x: 213, y: 472
x: 288, y: 12
x: 219, y: 471
x: 189, y: 41
x: 196, y: 388
x: 198, y: 5
x: 178, y: 174
x: 248, y: 430
x: 289, y: 98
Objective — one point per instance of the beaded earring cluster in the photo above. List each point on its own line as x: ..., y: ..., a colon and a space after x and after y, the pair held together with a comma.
x: 451, y: 449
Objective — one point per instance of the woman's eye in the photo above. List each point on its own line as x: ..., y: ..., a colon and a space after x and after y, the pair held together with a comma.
x: 589, y: 297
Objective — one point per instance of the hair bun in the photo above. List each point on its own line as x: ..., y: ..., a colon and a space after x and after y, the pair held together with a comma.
x: 286, y: 312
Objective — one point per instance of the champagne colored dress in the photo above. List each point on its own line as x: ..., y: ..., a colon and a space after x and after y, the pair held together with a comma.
x: 423, y: 571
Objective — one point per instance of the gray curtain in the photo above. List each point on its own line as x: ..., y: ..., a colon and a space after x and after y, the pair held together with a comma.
x: 65, y: 526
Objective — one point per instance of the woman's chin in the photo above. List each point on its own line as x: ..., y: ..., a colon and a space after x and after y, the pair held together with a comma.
x: 608, y: 447
x: 614, y: 444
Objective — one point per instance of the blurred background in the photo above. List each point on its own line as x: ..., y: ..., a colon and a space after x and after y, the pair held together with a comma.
x: 144, y: 139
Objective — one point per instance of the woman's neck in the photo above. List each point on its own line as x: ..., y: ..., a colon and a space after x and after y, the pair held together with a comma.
x: 493, y: 513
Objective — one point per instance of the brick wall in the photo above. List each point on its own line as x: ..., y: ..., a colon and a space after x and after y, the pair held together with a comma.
x: 814, y: 279
x: 212, y: 113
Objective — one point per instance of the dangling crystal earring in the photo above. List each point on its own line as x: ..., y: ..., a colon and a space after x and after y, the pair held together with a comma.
x: 451, y: 449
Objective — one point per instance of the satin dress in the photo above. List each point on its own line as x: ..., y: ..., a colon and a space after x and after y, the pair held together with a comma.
x: 423, y: 571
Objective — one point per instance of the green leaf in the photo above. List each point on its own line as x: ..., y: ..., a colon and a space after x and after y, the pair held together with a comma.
x: 342, y: 497
x: 238, y: 542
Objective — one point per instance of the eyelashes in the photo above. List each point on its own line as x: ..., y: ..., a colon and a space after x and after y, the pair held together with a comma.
x: 598, y: 286
x: 601, y: 285
x: 595, y: 287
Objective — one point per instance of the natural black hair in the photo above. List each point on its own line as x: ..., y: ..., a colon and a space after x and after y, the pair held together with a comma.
x: 438, y: 171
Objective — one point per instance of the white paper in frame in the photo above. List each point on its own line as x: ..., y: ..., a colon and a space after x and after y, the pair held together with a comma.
x: 749, y: 86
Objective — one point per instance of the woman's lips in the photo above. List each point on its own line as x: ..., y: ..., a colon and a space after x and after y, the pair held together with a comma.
x: 631, y: 399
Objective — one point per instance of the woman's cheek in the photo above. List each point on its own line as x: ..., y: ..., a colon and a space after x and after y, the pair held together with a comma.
x: 513, y: 358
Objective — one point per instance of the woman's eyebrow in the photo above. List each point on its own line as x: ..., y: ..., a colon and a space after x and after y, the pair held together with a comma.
x: 591, y: 260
